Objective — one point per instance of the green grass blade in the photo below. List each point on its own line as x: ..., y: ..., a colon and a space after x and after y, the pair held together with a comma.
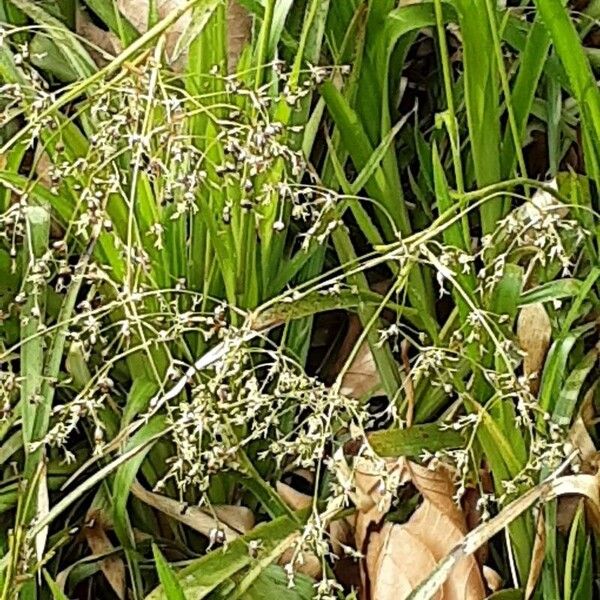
x: 54, y: 589
x: 202, y: 576
x: 65, y: 40
x: 570, y: 393
x: 481, y: 81
x: 32, y: 350
x: 412, y: 441
x: 168, y: 579
x: 581, y: 79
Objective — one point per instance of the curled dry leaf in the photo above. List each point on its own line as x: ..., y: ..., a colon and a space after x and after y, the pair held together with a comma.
x: 534, y: 332
x: 582, y: 441
x: 232, y: 521
x: 112, y: 565
x: 492, y: 578
x: 398, y: 557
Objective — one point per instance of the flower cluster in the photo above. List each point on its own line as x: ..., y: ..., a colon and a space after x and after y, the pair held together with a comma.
x: 253, y: 398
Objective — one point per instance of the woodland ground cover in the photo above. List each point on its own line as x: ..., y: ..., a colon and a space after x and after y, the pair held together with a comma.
x: 299, y: 299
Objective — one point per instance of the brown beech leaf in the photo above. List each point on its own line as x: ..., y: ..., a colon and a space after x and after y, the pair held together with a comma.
x: 372, y: 497
x: 554, y: 486
x: 362, y: 375
x: 399, y: 557
x: 395, y: 572
x: 136, y: 12
x: 534, y: 332
x: 112, y: 565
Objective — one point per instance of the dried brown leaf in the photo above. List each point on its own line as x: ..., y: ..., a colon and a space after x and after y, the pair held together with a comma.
x: 373, y: 497
x: 112, y: 566
x: 102, y: 44
x: 492, y: 578
x: 239, y: 26
x: 553, y: 487
x: 293, y: 498
x: 581, y: 439
x: 232, y: 521
x: 362, y: 375
x: 567, y: 507
x: 400, y: 556
x: 588, y: 410
x: 305, y: 563
x: 43, y: 166
x: 340, y: 534
x: 537, y: 556
x: 395, y: 572
x: 534, y: 331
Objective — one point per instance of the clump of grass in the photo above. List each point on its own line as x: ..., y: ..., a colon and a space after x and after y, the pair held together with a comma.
x: 170, y: 238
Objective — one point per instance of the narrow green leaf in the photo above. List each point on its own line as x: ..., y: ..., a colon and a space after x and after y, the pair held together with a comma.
x: 571, y: 390
x: 65, y: 40
x: 581, y: 79
x: 168, y: 579
x: 32, y: 349
x: 202, y: 576
x: 553, y: 290
x: 54, y: 589
x: 412, y: 441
